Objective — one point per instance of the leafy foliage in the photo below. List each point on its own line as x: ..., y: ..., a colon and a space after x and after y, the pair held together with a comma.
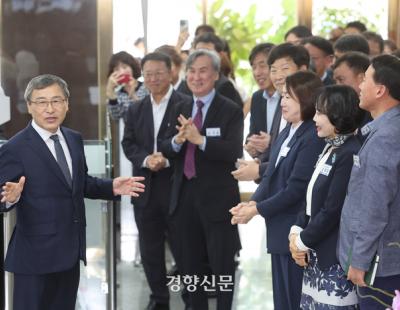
x: 243, y: 32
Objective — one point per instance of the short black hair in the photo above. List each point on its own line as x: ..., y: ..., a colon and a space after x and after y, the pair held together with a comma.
x: 125, y: 58
x: 352, y: 42
x: 204, y: 28
x: 356, y: 61
x: 340, y: 103
x: 375, y: 37
x: 358, y: 25
x: 209, y: 37
x: 320, y: 43
x: 262, y: 48
x: 304, y: 85
x: 299, y: 31
x: 387, y: 73
x: 297, y: 53
x: 157, y: 56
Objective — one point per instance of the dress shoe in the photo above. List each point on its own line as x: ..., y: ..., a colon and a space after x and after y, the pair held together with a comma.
x: 153, y: 305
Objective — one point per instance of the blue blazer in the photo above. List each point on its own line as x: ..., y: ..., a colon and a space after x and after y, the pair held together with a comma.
x: 328, y: 194
x: 50, y: 233
x: 282, y: 191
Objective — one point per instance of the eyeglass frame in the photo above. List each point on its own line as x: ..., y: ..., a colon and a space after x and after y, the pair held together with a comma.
x: 44, y: 103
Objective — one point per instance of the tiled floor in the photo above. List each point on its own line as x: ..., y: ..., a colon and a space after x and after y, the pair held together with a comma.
x: 253, y: 277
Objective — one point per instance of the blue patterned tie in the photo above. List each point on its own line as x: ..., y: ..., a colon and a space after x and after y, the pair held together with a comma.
x: 61, y: 160
x: 189, y: 168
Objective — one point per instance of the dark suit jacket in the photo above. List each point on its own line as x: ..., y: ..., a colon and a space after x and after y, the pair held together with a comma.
x: 258, y: 122
x: 138, y: 140
x: 217, y: 190
x: 328, y: 194
x: 282, y: 191
x: 223, y: 86
x: 50, y: 233
x: 328, y: 80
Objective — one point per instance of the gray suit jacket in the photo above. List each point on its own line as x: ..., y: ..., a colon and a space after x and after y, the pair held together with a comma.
x: 370, y: 221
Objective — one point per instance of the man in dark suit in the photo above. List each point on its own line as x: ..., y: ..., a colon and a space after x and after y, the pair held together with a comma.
x: 283, y: 60
x: 147, y: 121
x: 43, y: 174
x: 223, y: 85
x: 204, y: 148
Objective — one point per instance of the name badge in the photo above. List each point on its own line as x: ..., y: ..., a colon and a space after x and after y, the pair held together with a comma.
x: 356, y: 161
x: 213, y: 132
x: 326, y: 169
x: 285, y: 151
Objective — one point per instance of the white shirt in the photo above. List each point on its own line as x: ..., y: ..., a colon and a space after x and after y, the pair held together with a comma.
x: 45, y: 135
x: 159, y: 112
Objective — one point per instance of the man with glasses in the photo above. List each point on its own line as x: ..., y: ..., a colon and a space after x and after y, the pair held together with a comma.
x: 147, y: 121
x: 43, y: 174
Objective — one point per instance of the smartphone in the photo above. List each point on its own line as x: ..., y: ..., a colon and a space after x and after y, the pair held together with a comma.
x: 124, y: 79
x: 184, y: 25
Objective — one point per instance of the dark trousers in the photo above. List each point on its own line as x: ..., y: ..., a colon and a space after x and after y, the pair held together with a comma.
x: 200, y: 242
x: 287, y: 278
x: 52, y: 291
x: 388, y: 284
x: 152, y: 224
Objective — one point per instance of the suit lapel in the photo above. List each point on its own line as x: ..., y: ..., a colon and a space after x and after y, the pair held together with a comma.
x: 276, y: 150
x: 213, y: 112
x: 149, y: 120
x: 37, y: 144
x: 164, y: 124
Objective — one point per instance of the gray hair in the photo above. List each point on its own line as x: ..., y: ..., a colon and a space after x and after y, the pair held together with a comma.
x: 43, y: 81
x: 215, y: 60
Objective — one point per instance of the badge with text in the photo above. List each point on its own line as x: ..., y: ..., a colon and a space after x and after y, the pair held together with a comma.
x: 356, y: 161
x: 213, y: 132
x: 326, y: 169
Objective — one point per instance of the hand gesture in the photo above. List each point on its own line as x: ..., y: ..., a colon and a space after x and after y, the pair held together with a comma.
x: 12, y: 191
x: 260, y: 142
x: 243, y: 212
x: 128, y: 186
x: 300, y: 257
x: 356, y: 276
x: 112, y: 82
x: 248, y: 170
x: 156, y: 162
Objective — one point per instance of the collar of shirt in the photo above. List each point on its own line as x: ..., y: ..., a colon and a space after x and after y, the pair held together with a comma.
x: 176, y: 86
x: 275, y: 95
x: 44, y: 134
x: 165, y: 99
x: 207, y: 99
x: 376, y: 123
x: 324, y: 76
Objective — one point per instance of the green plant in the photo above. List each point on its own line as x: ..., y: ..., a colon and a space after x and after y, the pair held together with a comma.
x: 243, y: 32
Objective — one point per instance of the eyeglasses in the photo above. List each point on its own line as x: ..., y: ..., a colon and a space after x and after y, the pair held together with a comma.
x: 157, y: 74
x: 55, y: 103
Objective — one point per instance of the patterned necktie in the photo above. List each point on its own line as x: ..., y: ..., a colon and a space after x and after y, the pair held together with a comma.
x: 189, y: 168
x: 61, y: 160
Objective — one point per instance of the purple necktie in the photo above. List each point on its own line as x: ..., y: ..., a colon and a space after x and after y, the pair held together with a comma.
x: 189, y: 168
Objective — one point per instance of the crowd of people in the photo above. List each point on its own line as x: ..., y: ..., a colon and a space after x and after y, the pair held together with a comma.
x: 323, y: 137
x: 324, y: 111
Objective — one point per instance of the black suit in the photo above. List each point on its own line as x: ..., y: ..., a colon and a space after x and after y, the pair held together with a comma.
x: 151, y: 208
x: 49, y: 237
x: 223, y: 86
x: 328, y: 80
x: 200, y: 206
x: 328, y: 194
x: 258, y: 122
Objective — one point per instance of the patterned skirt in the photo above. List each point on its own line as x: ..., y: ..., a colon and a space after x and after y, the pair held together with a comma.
x: 327, y: 289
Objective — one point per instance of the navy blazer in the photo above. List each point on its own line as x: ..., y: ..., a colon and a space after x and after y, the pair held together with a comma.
x: 328, y: 194
x: 50, y: 233
x: 282, y: 191
x: 138, y: 140
x: 217, y: 190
